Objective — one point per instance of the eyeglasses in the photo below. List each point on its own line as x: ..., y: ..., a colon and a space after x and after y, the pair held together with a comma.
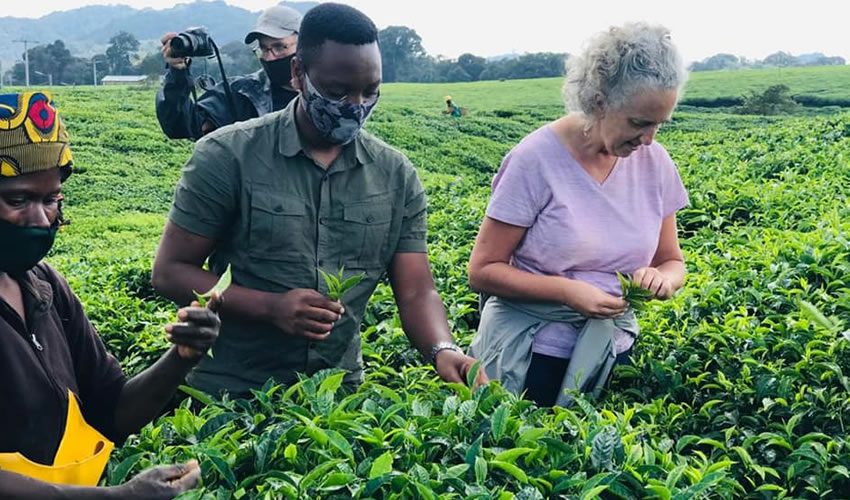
x: 276, y: 50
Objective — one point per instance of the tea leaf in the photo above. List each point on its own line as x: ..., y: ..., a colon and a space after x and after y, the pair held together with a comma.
x: 199, y: 395
x: 224, y: 469
x: 219, y: 288
x: 818, y: 317
x: 118, y: 473
x: 339, y: 442
x: 290, y: 452
x: 633, y: 294
x: 499, y: 422
x: 511, y: 469
x: 513, y: 454
x: 480, y: 470
x: 603, y: 445
x: 381, y: 466
x: 472, y: 374
x: 337, y: 285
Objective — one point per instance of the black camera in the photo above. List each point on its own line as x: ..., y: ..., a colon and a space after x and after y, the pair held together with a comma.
x: 194, y: 42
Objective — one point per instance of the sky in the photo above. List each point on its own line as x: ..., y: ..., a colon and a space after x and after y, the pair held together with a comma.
x: 749, y: 28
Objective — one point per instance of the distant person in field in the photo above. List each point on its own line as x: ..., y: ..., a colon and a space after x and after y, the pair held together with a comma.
x: 63, y: 399
x: 287, y: 195
x: 452, y: 109
x: 578, y: 200
x: 267, y: 90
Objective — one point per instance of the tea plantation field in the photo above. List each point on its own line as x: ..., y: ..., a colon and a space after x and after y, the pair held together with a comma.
x: 737, y: 389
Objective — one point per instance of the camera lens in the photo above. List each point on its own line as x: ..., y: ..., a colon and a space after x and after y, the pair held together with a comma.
x: 181, y: 46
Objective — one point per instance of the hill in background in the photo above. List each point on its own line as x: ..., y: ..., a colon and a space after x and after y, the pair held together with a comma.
x: 86, y: 31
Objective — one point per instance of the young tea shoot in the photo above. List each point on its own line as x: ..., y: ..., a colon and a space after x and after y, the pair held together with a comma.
x: 338, y: 285
x: 219, y: 288
x: 636, y: 296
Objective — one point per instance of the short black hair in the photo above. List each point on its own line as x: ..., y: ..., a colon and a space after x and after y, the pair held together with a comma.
x: 335, y: 22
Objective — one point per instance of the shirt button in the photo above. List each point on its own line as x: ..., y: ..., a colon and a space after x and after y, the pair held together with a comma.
x: 370, y: 219
x: 323, y: 221
x: 311, y: 345
x: 278, y: 209
x: 325, y: 178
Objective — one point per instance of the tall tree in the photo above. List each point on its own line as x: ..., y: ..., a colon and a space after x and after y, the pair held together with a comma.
x: 151, y: 65
x: 78, y: 72
x: 472, y: 65
x: 401, y: 47
x: 60, y: 57
x: 458, y: 74
x: 780, y: 59
x: 121, y: 46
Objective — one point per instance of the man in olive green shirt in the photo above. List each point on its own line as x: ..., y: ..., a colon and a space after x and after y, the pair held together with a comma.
x: 282, y: 196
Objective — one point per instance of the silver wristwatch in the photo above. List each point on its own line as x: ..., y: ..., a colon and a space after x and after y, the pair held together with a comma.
x: 443, y: 346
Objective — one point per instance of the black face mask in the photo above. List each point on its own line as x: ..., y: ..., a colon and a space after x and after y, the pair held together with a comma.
x: 24, y: 247
x: 279, y: 71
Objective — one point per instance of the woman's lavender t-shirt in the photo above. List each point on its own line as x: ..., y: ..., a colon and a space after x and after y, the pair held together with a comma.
x: 579, y: 228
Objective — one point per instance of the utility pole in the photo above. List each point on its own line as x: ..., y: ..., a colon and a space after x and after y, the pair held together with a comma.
x: 26, y: 58
x: 94, y: 70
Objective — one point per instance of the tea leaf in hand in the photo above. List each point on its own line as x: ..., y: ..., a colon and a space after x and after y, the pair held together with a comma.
x: 338, y: 285
x: 220, y: 287
x: 633, y: 294
x: 472, y: 374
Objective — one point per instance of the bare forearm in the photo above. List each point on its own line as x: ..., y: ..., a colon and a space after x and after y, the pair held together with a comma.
x: 146, y: 394
x: 503, y: 280
x: 423, y: 317
x: 14, y: 485
x: 178, y: 280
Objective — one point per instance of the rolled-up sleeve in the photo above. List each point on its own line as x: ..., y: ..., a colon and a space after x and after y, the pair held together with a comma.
x: 414, y: 227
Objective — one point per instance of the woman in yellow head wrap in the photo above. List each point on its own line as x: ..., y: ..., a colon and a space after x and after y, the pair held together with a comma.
x: 63, y: 399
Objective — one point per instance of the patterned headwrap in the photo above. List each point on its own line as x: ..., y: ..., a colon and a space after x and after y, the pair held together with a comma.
x: 32, y: 137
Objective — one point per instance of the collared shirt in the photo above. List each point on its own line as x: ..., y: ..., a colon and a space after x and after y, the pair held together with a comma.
x: 277, y: 218
x: 57, y: 349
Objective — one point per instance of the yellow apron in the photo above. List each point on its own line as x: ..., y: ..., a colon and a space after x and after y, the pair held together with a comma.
x: 81, y: 457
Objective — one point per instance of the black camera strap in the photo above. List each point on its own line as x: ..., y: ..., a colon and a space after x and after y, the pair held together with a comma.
x: 231, y: 103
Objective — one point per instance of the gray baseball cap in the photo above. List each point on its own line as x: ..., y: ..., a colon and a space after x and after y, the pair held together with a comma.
x: 277, y: 22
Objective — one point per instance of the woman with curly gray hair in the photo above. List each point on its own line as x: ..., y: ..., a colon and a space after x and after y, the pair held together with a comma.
x: 576, y: 202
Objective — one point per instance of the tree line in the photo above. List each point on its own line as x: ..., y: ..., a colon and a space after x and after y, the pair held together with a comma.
x: 776, y: 60
x: 54, y: 64
x: 404, y: 60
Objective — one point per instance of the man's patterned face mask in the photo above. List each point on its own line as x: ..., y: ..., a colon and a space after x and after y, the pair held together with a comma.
x: 337, y: 121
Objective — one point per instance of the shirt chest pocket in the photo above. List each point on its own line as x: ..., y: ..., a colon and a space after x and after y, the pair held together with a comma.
x: 278, y: 226
x: 366, y: 230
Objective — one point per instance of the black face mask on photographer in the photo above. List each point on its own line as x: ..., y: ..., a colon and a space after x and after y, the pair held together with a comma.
x: 279, y: 71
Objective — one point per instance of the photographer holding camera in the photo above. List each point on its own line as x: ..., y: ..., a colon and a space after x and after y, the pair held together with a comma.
x: 253, y: 95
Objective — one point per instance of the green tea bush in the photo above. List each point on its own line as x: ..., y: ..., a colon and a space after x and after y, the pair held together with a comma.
x: 736, y: 389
